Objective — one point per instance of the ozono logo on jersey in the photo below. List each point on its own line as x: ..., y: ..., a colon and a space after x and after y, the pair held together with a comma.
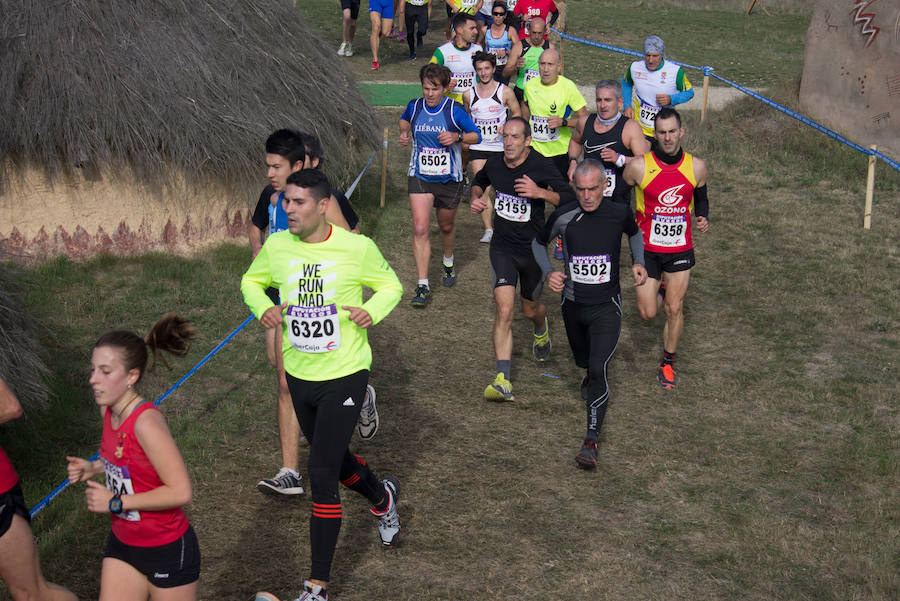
x: 671, y: 196
x: 553, y: 108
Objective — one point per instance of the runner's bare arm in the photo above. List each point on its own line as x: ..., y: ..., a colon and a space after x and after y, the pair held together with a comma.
x: 10, y: 408
x: 511, y: 102
x: 634, y: 171
x: 404, y: 132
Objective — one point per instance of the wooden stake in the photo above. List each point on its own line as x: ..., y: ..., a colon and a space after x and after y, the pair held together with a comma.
x: 705, y: 99
x: 750, y: 8
x: 870, y: 190
x: 384, y: 146
x: 562, y: 62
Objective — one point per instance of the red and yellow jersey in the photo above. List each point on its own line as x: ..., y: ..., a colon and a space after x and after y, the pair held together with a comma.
x: 663, y: 202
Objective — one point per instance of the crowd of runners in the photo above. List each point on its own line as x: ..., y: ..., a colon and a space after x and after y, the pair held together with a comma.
x: 498, y: 126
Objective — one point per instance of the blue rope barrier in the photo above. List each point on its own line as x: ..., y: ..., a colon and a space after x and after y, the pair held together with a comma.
x: 359, y: 177
x: 708, y: 71
x: 615, y: 48
x: 65, y: 483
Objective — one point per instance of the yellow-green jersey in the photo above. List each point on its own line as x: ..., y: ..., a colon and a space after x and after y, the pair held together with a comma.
x: 560, y: 99
x: 317, y: 280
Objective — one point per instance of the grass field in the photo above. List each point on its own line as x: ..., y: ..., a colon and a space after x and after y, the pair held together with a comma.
x: 771, y: 473
x: 718, y: 36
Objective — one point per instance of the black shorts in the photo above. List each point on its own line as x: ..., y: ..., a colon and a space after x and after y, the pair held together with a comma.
x: 352, y: 6
x: 475, y: 155
x: 509, y: 263
x: 12, y: 502
x: 446, y: 194
x: 273, y: 295
x: 166, y: 566
x: 657, y: 263
x: 520, y: 93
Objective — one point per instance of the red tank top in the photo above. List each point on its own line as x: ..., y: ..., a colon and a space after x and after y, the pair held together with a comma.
x: 663, y: 201
x: 8, y: 476
x: 129, y: 471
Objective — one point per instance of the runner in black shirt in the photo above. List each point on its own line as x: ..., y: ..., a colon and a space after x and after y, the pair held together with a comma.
x: 524, y: 180
x: 591, y: 232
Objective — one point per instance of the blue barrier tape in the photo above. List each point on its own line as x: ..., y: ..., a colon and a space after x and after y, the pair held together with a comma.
x: 807, y: 121
x: 708, y: 71
x: 62, y: 486
x: 359, y: 177
x: 616, y: 48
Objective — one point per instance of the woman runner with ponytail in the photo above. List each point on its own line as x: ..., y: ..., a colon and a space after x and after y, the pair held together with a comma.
x: 152, y: 551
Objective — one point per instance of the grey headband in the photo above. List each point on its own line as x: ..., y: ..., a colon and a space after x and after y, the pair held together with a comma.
x: 654, y: 44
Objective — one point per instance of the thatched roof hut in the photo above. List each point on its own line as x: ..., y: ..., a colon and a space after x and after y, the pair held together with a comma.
x: 133, y: 125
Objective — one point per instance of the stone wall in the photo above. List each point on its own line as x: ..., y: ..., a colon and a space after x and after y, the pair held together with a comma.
x: 851, y: 71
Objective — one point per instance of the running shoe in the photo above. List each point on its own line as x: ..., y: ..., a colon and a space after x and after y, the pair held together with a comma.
x: 348, y: 51
x: 342, y: 50
x: 389, y: 519
x: 422, y: 296
x: 367, y: 424
x: 448, y: 278
x: 284, y: 483
x: 667, y: 376
x: 312, y: 592
x: 558, y: 251
x: 411, y: 57
x: 401, y: 36
x: 586, y: 458
x: 486, y: 238
x: 541, y: 346
x: 375, y: 65
x: 499, y: 390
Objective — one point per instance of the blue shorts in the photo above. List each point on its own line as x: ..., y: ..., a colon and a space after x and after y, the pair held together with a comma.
x: 384, y: 7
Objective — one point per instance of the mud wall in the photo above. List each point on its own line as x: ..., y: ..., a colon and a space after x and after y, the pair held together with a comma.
x: 851, y: 71
x: 80, y: 217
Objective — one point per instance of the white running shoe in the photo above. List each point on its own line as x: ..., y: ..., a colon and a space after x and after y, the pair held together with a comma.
x: 312, y: 592
x: 348, y: 51
x: 486, y: 238
x: 342, y: 50
x: 367, y: 424
x: 389, y: 520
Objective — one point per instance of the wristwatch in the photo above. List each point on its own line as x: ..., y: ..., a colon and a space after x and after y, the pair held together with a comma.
x: 115, y: 505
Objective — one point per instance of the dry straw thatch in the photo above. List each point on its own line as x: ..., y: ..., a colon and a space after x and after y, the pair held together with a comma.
x: 21, y: 365
x: 169, y: 85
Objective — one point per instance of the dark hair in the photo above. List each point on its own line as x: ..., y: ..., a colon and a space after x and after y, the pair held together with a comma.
x: 287, y: 143
x: 313, y: 180
x: 667, y: 112
x: 501, y: 4
x: 436, y: 73
x: 313, y: 148
x: 481, y: 56
x: 525, y: 124
x: 461, y: 18
x: 171, y: 333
